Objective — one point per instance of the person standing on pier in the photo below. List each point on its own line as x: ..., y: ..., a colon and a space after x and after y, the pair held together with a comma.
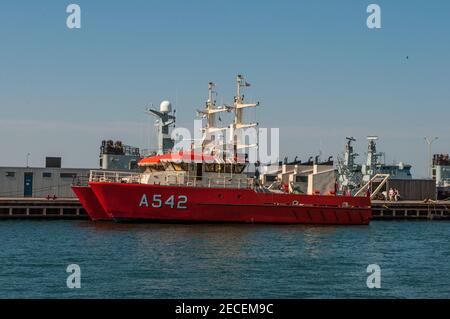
x: 397, y: 195
x: 391, y: 194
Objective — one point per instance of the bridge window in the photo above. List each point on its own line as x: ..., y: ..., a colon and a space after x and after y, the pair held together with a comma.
x: 301, y: 179
x: 224, y: 168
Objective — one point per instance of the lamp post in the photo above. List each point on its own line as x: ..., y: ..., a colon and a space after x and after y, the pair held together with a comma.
x: 430, y: 141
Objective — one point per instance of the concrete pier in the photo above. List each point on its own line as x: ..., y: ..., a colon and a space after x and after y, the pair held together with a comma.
x: 411, y: 210
x: 40, y: 208
x: 70, y: 208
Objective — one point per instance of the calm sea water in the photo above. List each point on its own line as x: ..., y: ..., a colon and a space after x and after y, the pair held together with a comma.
x: 223, y: 261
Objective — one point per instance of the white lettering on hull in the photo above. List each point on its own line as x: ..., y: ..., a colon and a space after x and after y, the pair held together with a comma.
x: 172, y: 201
x: 144, y: 201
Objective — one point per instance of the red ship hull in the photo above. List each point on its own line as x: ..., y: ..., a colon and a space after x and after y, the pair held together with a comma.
x: 140, y: 202
x: 90, y: 203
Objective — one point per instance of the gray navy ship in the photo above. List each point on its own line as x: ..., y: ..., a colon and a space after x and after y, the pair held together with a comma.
x: 351, y: 176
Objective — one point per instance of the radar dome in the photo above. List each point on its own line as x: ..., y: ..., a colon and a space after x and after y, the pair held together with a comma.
x: 165, y: 107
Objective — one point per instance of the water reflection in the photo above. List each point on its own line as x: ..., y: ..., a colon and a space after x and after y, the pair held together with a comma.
x: 231, y: 261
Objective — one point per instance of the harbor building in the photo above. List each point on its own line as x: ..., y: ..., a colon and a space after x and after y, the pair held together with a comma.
x: 52, y: 180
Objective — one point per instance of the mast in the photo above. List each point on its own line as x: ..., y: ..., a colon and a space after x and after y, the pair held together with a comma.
x: 349, y: 173
x: 349, y: 158
x: 210, y: 128
x: 210, y: 106
x: 164, y: 122
x: 372, y: 162
x: 209, y: 113
x: 372, y: 155
x: 238, y: 124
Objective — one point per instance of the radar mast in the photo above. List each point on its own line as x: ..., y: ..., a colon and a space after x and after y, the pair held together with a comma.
x: 164, y: 121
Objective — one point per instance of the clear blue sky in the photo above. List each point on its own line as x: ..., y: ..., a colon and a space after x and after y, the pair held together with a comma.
x: 318, y: 71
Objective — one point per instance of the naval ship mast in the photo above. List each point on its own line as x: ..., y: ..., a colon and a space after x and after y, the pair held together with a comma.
x: 373, y: 159
x: 349, y: 173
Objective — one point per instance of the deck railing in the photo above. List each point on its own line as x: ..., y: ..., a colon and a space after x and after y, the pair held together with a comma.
x: 172, y: 178
x: 114, y: 177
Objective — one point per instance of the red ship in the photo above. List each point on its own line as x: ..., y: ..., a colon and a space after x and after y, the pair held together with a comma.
x: 207, y: 186
x: 138, y: 202
x: 124, y: 201
x: 90, y: 203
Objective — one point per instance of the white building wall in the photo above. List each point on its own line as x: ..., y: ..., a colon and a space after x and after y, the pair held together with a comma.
x: 60, y: 186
